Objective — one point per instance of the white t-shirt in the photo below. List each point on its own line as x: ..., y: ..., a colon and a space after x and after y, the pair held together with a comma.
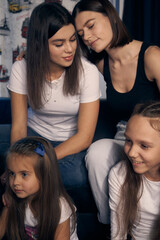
x: 57, y: 119
x: 30, y: 221
x: 149, y: 204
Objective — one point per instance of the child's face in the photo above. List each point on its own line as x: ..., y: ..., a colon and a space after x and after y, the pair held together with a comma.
x: 142, y: 146
x: 22, y: 178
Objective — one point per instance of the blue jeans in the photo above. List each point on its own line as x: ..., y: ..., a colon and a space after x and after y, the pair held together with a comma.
x: 72, y: 168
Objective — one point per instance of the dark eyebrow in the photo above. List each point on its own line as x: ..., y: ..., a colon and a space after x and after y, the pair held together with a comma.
x: 62, y: 39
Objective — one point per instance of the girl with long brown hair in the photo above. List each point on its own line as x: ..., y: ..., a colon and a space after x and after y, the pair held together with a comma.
x: 134, y: 183
x: 54, y: 92
x: 39, y: 207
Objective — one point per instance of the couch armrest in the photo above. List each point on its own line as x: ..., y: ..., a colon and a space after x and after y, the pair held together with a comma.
x: 5, y: 111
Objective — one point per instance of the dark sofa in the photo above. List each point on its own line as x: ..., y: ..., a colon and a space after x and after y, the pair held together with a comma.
x: 88, y: 226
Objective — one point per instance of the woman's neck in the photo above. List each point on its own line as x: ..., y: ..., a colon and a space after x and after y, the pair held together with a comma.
x: 55, y: 72
x: 125, y: 53
x: 54, y: 76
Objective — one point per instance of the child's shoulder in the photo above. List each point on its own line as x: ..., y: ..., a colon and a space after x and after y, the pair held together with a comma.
x: 118, y: 171
x: 66, y: 210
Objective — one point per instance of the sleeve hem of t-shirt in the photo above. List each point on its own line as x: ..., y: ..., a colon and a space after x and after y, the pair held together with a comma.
x: 16, y: 91
x: 91, y: 99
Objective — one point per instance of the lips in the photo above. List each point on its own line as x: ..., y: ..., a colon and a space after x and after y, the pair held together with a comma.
x: 18, y: 190
x: 135, y: 163
x: 68, y: 58
x: 92, y: 43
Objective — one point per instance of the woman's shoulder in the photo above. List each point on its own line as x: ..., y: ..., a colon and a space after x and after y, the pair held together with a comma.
x: 152, y: 52
x: 19, y: 65
x: 87, y: 65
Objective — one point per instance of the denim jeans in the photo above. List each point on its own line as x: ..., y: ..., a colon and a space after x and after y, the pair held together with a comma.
x: 72, y: 168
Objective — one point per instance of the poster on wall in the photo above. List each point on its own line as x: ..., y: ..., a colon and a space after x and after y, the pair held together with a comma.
x: 14, y: 19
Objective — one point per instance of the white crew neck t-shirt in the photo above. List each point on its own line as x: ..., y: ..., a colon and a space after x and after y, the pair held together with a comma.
x: 30, y: 221
x: 57, y: 119
x: 149, y: 204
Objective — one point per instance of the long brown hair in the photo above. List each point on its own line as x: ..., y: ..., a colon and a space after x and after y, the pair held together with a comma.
x: 46, y: 19
x: 132, y: 189
x: 120, y: 33
x: 46, y: 202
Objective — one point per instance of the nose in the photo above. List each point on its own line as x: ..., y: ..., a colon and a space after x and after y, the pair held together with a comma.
x: 68, y: 47
x: 133, y: 152
x: 86, y: 35
x: 16, y: 180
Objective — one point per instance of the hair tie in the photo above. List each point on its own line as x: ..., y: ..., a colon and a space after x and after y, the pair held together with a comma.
x: 39, y: 149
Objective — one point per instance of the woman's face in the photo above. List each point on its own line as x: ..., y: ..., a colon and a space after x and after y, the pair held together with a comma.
x: 95, y: 30
x: 142, y: 146
x: 62, y: 47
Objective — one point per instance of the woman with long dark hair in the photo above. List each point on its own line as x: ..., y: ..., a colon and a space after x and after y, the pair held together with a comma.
x: 61, y: 89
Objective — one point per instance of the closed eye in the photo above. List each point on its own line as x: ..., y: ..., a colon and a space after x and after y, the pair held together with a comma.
x: 73, y: 39
x: 144, y: 146
x: 91, y: 26
x: 59, y: 45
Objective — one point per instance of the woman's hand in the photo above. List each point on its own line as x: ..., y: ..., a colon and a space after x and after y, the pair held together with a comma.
x: 6, y: 200
x: 21, y: 56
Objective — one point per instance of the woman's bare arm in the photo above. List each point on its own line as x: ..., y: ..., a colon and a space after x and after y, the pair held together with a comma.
x: 152, y: 64
x: 63, y: 231
x: 19, y: 116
